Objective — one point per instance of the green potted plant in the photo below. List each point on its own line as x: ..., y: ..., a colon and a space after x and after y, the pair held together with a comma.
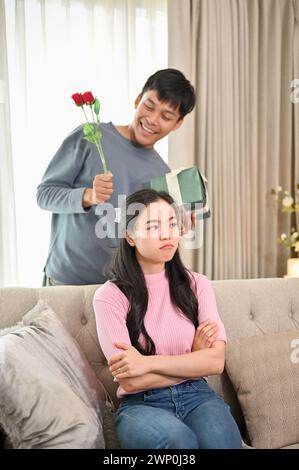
x: 288, y: 204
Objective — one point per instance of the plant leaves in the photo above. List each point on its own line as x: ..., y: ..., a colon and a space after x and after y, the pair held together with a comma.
x: 89, y: 139
x: 96, y: 106
x: 88, y: 130
x: 98, y: 134
x: 287, y: 209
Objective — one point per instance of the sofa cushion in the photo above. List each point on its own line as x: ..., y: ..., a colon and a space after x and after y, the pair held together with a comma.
x: 49, y: 395
x: 264, y: 371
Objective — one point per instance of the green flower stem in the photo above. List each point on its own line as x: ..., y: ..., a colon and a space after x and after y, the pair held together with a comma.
x: 86, y: 117
x: 98, y: 144
x: 97, y: 121
x: 92, y: 114
x: 99, y: 147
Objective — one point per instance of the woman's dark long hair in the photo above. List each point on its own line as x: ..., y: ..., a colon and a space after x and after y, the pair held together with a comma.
x: 125, y: 271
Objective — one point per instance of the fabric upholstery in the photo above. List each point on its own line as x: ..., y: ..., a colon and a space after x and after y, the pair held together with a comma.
x: 49, y: 395
x: 247, y: 308
x: 264, y: 372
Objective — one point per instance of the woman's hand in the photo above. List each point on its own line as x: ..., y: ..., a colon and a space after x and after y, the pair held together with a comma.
x: 129, y: 363
x: 205, y: 335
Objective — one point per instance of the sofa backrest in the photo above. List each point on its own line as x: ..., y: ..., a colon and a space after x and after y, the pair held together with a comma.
x: 73, y: 304
x: 253, y: 307
x: 247, y: 308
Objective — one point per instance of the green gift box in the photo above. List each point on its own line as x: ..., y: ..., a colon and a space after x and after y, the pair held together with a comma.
x: 187, y: 187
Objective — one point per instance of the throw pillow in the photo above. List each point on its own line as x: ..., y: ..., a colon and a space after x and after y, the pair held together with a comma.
x: 49, y: 395
x: 265, y: 376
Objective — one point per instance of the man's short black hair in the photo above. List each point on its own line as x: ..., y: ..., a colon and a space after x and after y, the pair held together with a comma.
x: 172, y: 87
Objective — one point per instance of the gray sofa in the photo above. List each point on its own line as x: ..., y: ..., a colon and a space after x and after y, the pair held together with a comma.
x: 248, y: 308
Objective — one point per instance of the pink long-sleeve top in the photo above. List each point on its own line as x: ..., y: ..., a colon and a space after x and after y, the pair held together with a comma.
x: 170, y: 330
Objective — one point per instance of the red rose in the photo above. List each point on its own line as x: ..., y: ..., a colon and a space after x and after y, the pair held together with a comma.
x: 88, y: 97
x: 91, y: 131
x: 78, y: 98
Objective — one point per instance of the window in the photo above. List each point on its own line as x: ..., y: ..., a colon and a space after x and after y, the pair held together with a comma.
x: 57, y: 48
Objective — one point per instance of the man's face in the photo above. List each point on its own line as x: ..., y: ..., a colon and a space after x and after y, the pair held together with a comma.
x: 153, y: 119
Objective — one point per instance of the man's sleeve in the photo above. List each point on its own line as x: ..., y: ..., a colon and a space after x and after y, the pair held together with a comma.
x: 57, y: 193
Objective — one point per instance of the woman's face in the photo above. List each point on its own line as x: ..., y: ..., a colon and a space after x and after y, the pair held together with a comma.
x: 155, y: 236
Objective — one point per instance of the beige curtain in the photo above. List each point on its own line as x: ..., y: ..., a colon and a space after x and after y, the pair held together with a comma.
x: 8, y: 258
x: 296, y: 105
x: 240, y: 55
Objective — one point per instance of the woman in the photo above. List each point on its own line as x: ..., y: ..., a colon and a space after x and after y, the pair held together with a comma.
x: 160, y: 331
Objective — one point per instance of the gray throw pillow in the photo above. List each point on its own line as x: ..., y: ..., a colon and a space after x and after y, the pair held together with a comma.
x: 49, y: 395
x: 264, y: 372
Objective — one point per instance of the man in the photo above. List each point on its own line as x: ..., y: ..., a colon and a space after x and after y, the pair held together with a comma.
x: 74, y: 183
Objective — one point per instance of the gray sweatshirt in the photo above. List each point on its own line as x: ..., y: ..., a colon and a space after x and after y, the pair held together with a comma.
x: 76, y: 254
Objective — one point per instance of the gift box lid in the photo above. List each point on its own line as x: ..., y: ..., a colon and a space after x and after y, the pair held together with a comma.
x: 185, y: 185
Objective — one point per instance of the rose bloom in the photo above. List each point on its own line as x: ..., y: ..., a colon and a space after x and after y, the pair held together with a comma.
x: 88, y: 97
x: 78, y: 98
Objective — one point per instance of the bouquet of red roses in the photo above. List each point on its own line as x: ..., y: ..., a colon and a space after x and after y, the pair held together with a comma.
x: 91, y: 130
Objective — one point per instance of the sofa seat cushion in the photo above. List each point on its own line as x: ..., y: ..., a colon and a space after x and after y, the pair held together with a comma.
x: 49, y: 395
x: 264, y: 371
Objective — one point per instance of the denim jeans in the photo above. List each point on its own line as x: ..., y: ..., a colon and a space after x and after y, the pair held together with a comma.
x: 189, y: 415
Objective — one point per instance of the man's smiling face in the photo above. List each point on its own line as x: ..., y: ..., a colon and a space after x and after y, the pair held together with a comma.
x: 153, y: 119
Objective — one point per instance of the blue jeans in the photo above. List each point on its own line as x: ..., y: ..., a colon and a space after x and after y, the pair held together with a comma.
x: 189, y: 415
